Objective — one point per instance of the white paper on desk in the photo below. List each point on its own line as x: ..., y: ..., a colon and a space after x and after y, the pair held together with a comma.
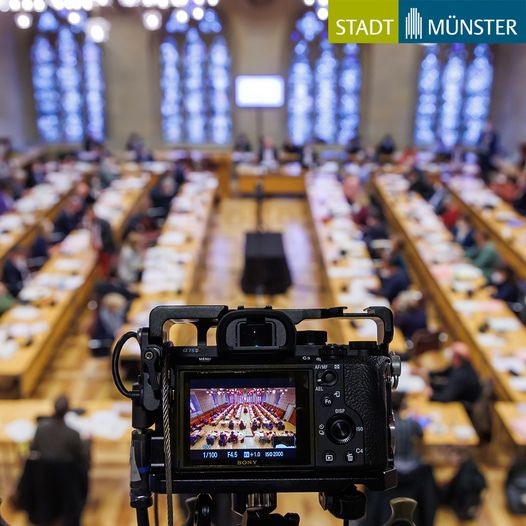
x: 8, y: 348
x: 463, y: 432
x: 34, y: 293
x: 349, y: 272
x: 471, y: 306
x: 24, y: 312
x: 518, y: 384
x: 491, y: 340
x: 71, y: 282
x: 68, y: 264
x: 504, y: 324
x: 509, y: 363
x: 410, y: 383
x: 20, y: 430
x: 171, y: 238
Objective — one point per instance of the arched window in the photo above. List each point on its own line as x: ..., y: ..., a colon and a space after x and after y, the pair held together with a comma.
x: 454, y: 94
x: 68, y: 81
x: 324, y: 85
x: 195, y: 81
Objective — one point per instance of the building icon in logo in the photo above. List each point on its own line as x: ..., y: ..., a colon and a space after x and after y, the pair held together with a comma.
x: 413, y: 24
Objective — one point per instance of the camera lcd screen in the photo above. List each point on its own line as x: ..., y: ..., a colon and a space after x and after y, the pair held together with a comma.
x: 246, y: 421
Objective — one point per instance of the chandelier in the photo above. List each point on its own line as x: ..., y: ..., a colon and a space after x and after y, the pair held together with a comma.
x: 84, y: 14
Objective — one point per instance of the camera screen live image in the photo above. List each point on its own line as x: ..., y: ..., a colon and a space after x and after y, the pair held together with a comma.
x: 252, y: 422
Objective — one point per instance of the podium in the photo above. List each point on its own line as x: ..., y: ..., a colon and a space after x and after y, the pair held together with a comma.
x: 266, y: 269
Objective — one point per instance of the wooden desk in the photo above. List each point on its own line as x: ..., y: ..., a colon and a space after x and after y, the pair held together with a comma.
x: 348, y: 268
x: 506, y: 227
x: 76, y: 260
x: 108, y: 448
x: 28, y: 223
x: 449, y: 424
x: 512, y: 418
x: 184, y: 232
x: 425, y: 236
x: 282, y: 181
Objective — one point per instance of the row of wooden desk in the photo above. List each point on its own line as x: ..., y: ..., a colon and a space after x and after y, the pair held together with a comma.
x: 496, y: 338
x: 349, y: 272
x: 490, y: 213
x: 172, y: 265
x: 55, y: 294
x: 40, y: 203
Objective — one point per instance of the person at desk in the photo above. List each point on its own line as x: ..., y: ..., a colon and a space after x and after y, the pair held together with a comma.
x: 35, y: 174
x: 268, y: 153
x: 484, y: 255
x: 487, y: 149
x: 410, y: 313
x: 386, y: 147
x: 415, y: 477
x: 131, y: 259
x: 55, y: 492
x: 289, y: 148
x: 419, y: 184
x: 374, y: 228
x: 519, y: 203
x: 163, y: 194
x: 109, y: 318
x: 457, y: 383
x: 6, y: 197
x: 39, y: 250
x: 14, y: 271
x: 242, y: 144
x: 393, y: 281
x: 69, y: 218
x: 463, y: 232
x: 354, y: 146
x: 308, y: 156
x: 6, y: 300
x: 506, y: 284
x: 102, y: 238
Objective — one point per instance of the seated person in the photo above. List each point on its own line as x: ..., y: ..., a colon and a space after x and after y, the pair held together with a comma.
x: 69, y: 218
x: 409, y: 312
x: 484, y: 255
x: 102, y: 238
x: 419, y: 184
x: 163, y: 194
x: 440, y: 196
x: 6, y: 300
x: 290, y: 148
x: 506, y: 187
x: 354, y: 145
x: 374, y: 228
x: 39, y: 251
x: 280, y: 426
x: 242, y: 425
x: 308, y: 156
x: 505, y: 281
x: 222, y: 440
x: 463, y: 232
x: 393, y: 280
x: 6, y: 197
x: 386, y: 147
x: 109, y: 318
x: 242, y: 144
x: 233, y: 438
x: 519, y: 203
x: 130, y: 262
x: 14, y: 271
x: 231, y: 424
x: 268, y: 153
x: 457, y: 383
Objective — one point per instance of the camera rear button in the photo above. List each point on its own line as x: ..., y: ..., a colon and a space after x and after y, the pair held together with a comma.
x: 327, y: 401
x: 349, y: 456
x: 328, y: 457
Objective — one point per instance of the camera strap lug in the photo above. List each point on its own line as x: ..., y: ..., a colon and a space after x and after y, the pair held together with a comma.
x: 396, y: 369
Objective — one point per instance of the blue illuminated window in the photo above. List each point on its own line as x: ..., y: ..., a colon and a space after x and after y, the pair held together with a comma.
x: 68, y: 82
x: 324, y: 85
x: 195, y: 82
x: 454, y: 95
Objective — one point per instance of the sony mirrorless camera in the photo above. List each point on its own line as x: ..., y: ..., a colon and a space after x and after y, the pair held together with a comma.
x: 268, y: 408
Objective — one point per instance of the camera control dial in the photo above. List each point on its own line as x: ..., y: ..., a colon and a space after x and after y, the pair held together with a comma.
x: 340, y: 429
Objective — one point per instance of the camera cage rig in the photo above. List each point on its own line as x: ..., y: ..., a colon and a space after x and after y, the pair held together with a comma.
x: 153, y: 391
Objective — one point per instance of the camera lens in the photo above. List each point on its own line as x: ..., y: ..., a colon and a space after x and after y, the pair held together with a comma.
x: 340, y: 429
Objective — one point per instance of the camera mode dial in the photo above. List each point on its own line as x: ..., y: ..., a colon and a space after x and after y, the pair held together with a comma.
x: 340, y: 429
x: 333, y: 351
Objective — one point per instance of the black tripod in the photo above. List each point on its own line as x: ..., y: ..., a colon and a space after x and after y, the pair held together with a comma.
x: 256, y: 509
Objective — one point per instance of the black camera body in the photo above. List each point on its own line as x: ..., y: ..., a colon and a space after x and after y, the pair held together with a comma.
x: 269, y: 408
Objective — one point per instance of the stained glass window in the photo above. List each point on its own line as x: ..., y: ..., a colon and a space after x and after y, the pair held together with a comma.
x: 479, y: 78
x: 195, y: 82
x: 68, y: 82
x: 454, y: 95
x: 324, y: 85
